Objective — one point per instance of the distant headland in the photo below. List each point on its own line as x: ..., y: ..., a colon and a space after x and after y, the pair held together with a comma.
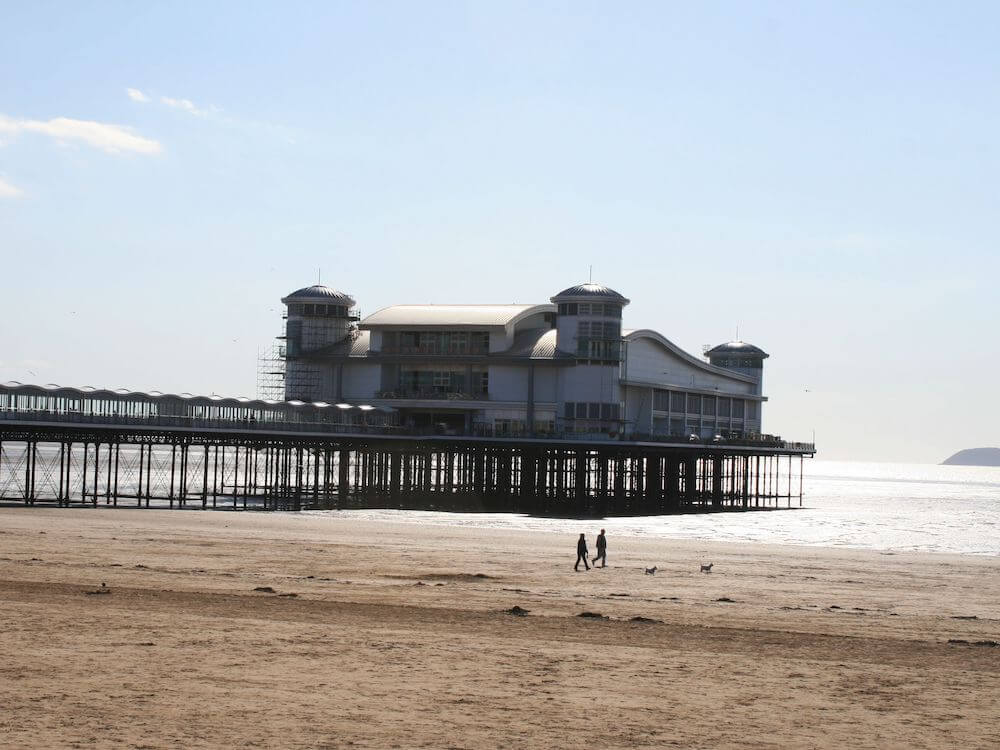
x: 975, y: 457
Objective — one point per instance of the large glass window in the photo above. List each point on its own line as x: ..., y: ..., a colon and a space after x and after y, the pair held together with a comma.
x: 438, y: 342
x: 293, y: 334
x: 661, y: 400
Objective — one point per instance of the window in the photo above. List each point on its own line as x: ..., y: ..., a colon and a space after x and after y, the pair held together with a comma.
x: 439, y: 342
x: 751, y: 410
x: 738, y: 409
x: 293, y: 334
x: 584, y: 308
x: 694, y: 404
x: 724, y: 407
x: 708, y: 405
x: 592, y: 411
x: 677, y: 402
x: 661, y: 400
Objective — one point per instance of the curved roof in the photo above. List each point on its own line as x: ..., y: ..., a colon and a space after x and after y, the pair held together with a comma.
x: 646, y: 333
x: 737, y: 347
x: 537, y: 343
x: 455, y: 316
x: 320, y: 293
x: 590, y: 290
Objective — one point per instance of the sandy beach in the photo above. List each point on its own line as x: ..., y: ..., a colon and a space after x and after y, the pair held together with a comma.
x: 383, y: 635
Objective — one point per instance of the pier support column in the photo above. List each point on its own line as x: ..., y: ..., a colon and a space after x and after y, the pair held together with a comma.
x: 580, y: 480
x: 717, y: 467
x: 343, y: 476
x: 395, y: 473
x: 653, y: 497
x: 690, y: 481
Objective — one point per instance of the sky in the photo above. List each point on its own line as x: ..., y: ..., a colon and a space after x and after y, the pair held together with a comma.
x: 820, y: 176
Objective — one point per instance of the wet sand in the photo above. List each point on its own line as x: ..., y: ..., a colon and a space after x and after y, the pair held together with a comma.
x: 395, y: 635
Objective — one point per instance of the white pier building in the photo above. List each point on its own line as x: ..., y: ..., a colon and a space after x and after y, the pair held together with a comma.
x: 563, y: 366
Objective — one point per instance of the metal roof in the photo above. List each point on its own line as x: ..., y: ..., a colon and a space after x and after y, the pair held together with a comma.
x: 737, y: 347
x: 590, y: 290
x: 538, y: 343
x: 419, y: 316
x: 124, y: 394
x: 645, y: 333
x: 357, y: 346
x: 319, y: 293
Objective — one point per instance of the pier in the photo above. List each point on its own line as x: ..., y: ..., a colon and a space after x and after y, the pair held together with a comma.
x: 127, y: 454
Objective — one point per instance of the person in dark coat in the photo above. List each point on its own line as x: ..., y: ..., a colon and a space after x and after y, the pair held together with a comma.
x: 602, y: 550
x: 581, y: 553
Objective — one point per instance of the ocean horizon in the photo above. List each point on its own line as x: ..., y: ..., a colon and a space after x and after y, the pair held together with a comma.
x: 890, y: 507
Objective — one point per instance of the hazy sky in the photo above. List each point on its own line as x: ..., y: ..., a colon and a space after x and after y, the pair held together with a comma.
x: 822, y: 175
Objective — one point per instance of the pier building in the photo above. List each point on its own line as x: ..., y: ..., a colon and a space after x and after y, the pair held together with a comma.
x: 551, y: 408
x: 565, y: 366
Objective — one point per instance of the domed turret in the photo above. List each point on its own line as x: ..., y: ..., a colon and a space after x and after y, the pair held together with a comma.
x: 317, y: 293
x: 740, y: 356
x: 589, y: 321
x: 589, y: 325
x: 317, y: 316
x: 589, y: 291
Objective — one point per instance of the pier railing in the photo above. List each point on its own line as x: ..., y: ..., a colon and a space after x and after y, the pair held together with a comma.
x: 362, y: 427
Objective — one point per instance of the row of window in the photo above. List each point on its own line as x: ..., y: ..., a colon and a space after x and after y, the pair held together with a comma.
x: 436, y: 342
x: 591, y: 410
x: 444, y: 381
x: 318, y: 311
x: 603, y: 351
x: 693, y: 403
x: 737, y: 362
x: 602, y: 309
x: 599, y: 329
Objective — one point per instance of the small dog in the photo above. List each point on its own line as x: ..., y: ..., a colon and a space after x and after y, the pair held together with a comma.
x: 651, y: 571
x: 707, y: 568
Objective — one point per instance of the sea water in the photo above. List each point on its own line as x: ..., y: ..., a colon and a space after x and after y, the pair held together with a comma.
x: 891, y: 507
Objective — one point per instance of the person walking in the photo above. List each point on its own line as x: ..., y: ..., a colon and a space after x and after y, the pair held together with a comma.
x: 581, y: 553
x: 602, y: 550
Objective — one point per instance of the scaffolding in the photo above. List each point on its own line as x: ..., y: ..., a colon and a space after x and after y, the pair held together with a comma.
x: 271, y: 372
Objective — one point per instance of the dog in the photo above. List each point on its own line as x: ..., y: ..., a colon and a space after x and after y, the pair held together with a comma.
x: 651, y: 571
x: 707, y: 568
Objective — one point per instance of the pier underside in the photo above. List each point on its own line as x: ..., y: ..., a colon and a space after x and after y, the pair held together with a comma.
x: 86, y: 465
